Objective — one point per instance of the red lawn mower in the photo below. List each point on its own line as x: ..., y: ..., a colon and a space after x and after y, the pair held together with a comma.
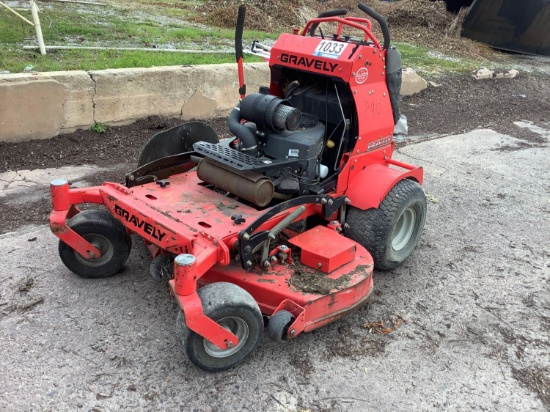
x: 285, y: 220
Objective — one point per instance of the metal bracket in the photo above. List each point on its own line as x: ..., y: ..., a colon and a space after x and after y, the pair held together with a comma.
x: 249, y: 242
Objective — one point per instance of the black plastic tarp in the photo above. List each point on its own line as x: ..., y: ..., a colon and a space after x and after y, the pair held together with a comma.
x: 516, y: 25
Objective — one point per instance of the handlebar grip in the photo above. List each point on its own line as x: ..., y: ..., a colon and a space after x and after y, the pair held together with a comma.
x: 239, y: 28
x: 333, y: 13
x: 328, y: 13
x: 383, y: 25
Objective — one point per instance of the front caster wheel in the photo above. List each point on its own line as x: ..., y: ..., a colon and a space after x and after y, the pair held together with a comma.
x: 390, y: 232
x: 234, y: 309
x: 107, y: 234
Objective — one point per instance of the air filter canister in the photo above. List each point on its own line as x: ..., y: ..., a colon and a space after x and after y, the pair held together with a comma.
x: 270, y: 112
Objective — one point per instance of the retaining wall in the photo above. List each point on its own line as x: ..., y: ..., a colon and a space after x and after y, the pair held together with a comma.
x: 42, y: 105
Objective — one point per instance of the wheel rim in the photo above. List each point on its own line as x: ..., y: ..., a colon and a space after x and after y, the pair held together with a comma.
x: 236, y: 326
x: 101, y: 243
x: 403, y: 229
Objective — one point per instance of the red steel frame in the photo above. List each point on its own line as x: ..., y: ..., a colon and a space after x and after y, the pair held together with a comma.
x: 186, y: 218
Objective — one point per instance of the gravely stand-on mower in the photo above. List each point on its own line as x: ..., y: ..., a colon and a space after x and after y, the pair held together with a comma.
x: 287, y: 218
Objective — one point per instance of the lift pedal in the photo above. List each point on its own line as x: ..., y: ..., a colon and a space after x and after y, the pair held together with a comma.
x: 324, y: 249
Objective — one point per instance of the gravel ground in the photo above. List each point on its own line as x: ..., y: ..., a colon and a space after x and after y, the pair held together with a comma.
x: 468, y: 313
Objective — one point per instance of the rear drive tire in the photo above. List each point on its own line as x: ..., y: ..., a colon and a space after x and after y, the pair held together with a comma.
x: 236, y: 310
x: 390, y: 232
x: 107, y: 234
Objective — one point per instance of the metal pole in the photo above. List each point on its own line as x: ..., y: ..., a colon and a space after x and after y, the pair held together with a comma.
x: 36, y: 19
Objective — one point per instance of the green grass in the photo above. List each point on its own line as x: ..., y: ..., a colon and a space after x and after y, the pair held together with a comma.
x: 116, y: 27
x: 426, y: 62
x: 55, y: 60
x: 99, y: 128
x: 142, y: 23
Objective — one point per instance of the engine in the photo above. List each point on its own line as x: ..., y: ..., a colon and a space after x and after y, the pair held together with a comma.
x: 276, y: 152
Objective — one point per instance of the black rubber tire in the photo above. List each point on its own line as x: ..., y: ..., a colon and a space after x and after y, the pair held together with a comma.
x: 374, y: 228
x: 162, y: 268
x: 278, y: 325
x: 100, y: 228
x: 231, y: 305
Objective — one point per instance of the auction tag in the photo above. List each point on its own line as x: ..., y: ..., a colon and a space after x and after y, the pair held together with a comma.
x: 330, y: 49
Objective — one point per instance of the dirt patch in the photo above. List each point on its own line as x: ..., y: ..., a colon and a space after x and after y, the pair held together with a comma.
x: 351, y: 343
x: 424, y: 22
x: 118, y: 144
x: 459, y: 104
x: 535, y: 379
x: 309, y: 280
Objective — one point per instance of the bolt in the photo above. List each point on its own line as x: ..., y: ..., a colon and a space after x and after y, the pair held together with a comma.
x: 323, y: 201
x: 330, y: 202
x: 246, y: 236
x: 283, y: 247
x: 271, y: 236
x: 348, y: 202
x: 273, y: 259
x: 91, y: 254
x: 346, y: 226
x: 339, y: 229
x: 248, y: 263
x: 215, y: 242
x: 131, y: 178
x: 292, y: 332
x: 209, y: 237
x: 319, y: 265
x: 267, y: 263
x: 229, y: 344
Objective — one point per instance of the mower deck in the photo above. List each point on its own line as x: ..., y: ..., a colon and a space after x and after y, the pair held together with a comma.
x: 314, y: 297
x: 191, y: 206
